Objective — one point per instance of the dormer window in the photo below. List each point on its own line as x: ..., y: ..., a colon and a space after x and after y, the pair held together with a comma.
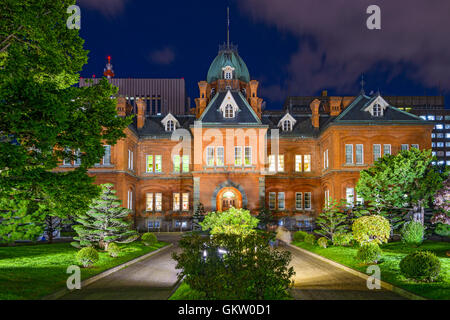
x: 377, y: 110
x: 228, y: 112
x: 287, y: 122
x: 287, y: 125
x: 377, y: 107
x: 228, y: 72
x: 170, y: 126
x: 170, y: 123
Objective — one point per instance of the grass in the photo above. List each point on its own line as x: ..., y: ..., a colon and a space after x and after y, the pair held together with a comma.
x: 34, y: 271
x: 393, y: 253
x: 184, y: 292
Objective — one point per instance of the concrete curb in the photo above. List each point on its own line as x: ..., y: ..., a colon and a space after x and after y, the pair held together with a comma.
x: 364, y: 276
x: 58, y: 294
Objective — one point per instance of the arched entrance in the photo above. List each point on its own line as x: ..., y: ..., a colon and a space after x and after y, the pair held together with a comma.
x: 227, y: 198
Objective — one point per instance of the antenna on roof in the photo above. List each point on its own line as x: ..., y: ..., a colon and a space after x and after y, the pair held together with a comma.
x: 228, y: 27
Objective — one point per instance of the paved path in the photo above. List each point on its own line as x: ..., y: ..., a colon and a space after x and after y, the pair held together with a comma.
x: 318, y: 280
x: 151, y: 279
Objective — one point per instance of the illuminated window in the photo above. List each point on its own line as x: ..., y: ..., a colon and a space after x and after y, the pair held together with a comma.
x: 220, y: 156
x: 272, y: 200
x: 185, y: 201
x: 272, y: 165
x: 158, y: 164
x: 176, y: 202
x: 298, y: 200
x: 130, y: 200
x: 158, y: 201
x: 176, y: 163
x: 130, y: 160
x: 415, y: 146
x: 377, y: 110
x: 170, y: 125
x: 186, y: 163
x: 307, y: 163
x: 287, y: 125
x: 238, y: 156
x: 210, y: 156
x: 248, y: 156
x: 281, y: 201
x: 298, y: 163
x: 350, y: 196
x: 149, y: 164
x: 325, y: 159
x: 229, y: 111
x: 149, y: 202
x: 280, y: 162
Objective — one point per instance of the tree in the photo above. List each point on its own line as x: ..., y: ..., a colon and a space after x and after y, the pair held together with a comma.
x: 249, y: 270
x: 105, y: 222
x: 265, y: 217
x: 371, y: 229
x: 198, y: 217
x: 234, y: 221
x: 406, y: 180
x: 44, y: 118
x: 332, y: 219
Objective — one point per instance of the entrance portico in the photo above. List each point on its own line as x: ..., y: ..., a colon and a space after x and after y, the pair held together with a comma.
x: 228, y: 197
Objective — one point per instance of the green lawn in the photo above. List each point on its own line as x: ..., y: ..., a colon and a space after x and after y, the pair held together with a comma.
x: 184, y: 292
x: 390, y: 271
x: 34, y: 271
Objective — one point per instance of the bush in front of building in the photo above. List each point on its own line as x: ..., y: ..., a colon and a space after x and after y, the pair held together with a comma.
x: 412, y: 233
x: 342, y: 239
x: 113, y: 250
x: 149, y: 238
x: 299, y: 236
x: 322, y: 242
x: 310, y: 239
x: 369, y: 252
x: 421, y: 266
x: 373, y: 228
x: 87, y: 257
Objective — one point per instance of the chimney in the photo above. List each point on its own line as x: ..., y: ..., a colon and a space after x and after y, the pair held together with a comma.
x: 121, y: 106
x: 335, y: 106
x: 202, y: 102
x: 315, y: 104
x: 140, y: 113
x: 252, y: 97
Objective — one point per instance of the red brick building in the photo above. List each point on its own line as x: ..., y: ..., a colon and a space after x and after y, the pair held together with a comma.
x: 227, y: 151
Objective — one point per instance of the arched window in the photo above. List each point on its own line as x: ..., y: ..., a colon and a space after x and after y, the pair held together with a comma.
x: 377, y: 110
x: 229, y: 111
x: 287, y: 125
x: 170, y: 126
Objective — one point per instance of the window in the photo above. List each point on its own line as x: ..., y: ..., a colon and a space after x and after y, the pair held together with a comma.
x: 327, y: 198
x: 228, y: 75
x: 248, y: 156
x: 149, y: 164
x: 440, y: 153
x: 220, y: 157
x: 447, y: 126
x: 432, y: 118
x: 350, y: 196
x: 287, y: 125
x: 376, y: 152
x: 77, y: 158
x: 238, y: 156
x: 447, y: 153
x: 281, y: 201
x: 439, y: 127
x: 130, y: 160
x: 176, y: 163
x: 228, y: 111
x: 359, y: 200
x: 158, y: 164
x: 447, y: 144
x: 440, y: 144
x: 439, y: 135
x: 387, y: 149
x: 185, y: 201
x: 447, y: 135
x: 280, y: 162
x: 170, y: 125
x: 433, y: 135
x: 416, y: 146
x: 307, y: 200
x: 66, y: 161
x: 210, y: 156
x: 186, y: 163
x: 424, y: 117
x: 272, y: 166
x: 349, y: 154
x: 176, y: 202
x: 298, y: 201
x: 325, y: 159
x: 405, y: 147
x: 130, y: 200
x: 158, y: 201
x: 439, y: 118
x: 359, y: 154
x: 272, y: 200
x: 298, y: 163
x: 107, y: 156
x: 149, y: 202
x: 377, y: 111
x: 307, y: 162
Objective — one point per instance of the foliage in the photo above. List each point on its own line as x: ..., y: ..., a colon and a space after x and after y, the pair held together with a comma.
x: 265, y: 217
x: 442, y: 230
x: 234, y: 221
x: 322, y: 242
x: 249, y: 270
x: 442, y: 198
x: 311, y: 239
x: 87, y: 257
x: 43, y: 115
x: 113, y: 250
x: 421, y: 266
x: 406, y: 180
x: 104, y: 222
x: 300, y: 236
x: 369, y: 252
x: 371, y: 229
x: 342, y: 239
x: 412, y: 233
x: 149, y: 238
x: 332, y: 220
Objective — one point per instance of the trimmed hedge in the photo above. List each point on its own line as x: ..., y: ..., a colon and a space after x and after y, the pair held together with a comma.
x: 300, y: 236
x: 369, y: 253
x: 87, y: 257
x: 113, y: 250
x: 149, y: 238
x: 412, y: 233
x: 421, y: 266
x: 322, y: 242
x: 311, y: 239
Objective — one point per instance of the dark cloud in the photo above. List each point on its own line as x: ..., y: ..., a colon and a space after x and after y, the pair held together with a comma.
x: 163, y: 56
x: 413, y: 40
x: 108, y: 8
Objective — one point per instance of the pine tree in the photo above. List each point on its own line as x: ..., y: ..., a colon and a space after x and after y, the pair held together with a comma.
x: 104, y: 222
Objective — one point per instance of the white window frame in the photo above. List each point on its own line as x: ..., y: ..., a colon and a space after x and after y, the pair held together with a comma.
x: 362, y: 154
x: 107, y: 156
x: 210, y: 157
x: 238, y: 156
x: 307, y: 156
x: 185, y: 201
x: 298, y: 161
x: 130, y: 160
x: 176, y: 201
x: 158, y: 202
x: 272, y: 196
x: 229, y: 112
x: 130, y: 200
x: 310, y: 201
x: 415, y: 146
x: 325, y: 159
x: 220, y: 156
x: 280, y: 163
x: 248, y: 156
x: 272, y: 163
x: 350, y: 202
x: 351, y: 148
x: 384, y: 149
x: 379, y: 152
x: 149, y: 201
x: 158, y: 161
x: 281, y: 200
x: 407, y: 147
x: 301, y: 201
x: 185, y: 160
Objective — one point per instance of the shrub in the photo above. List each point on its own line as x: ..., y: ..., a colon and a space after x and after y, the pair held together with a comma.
x: 442, y: 230
x: 420, y: 266
x: 299, y: 236
x: 371, y: 229
x: 149, y: 238
x: 87, y: 257
x: 342, y: 239
x: 323, y: 242
x: 113, y: 250
x: 310, y: 238
x: 412, y: 233
x: 369, y: 252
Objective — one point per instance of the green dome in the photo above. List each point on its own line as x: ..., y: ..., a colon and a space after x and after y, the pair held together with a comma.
x: 228, y: 57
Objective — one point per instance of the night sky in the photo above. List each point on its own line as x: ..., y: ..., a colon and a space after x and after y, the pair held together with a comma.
x: 293, y: 47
